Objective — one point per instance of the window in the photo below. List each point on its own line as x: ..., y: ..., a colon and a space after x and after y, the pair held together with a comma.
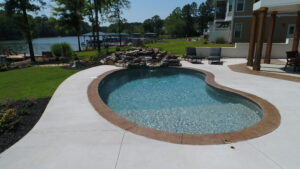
x: 240, y: 5
x: 238, y: 30
x: 230, y: 5
x: 291, y: 31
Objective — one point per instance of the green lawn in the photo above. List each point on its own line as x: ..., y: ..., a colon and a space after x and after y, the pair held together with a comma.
x: 177, y: 46
x: 32, y: 82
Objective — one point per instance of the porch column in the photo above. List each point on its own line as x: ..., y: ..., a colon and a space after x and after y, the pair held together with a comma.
x: 270, y: 38
x: 297, y: 34
x: 260, y: 38
x: 252, y: 39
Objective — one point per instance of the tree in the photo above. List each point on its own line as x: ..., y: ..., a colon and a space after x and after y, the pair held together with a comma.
x: 90, y: 13
x: 20, y: 8
x: 115, y: 12
x: 8, y: 30
x: 154, y: 24
x: 71, y: 14
x: 194, y: 10
x: 187, y: 12
x: 175, y: 24
x: 206, y: 14
x: 158, y: 24
x: 148, y: 25
x: 99, y: 7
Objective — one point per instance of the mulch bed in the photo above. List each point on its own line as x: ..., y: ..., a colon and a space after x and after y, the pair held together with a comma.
x: 26, y: 123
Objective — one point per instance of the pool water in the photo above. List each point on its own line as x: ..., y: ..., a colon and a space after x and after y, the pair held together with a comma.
x: 176, y: 100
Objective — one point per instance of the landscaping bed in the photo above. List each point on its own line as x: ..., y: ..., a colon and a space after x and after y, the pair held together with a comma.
x: 17, y: 118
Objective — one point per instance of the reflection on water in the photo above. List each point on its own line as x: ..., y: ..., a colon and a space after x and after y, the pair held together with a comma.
x: 39, y: 44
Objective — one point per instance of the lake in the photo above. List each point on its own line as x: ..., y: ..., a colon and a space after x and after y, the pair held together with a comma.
x: 40, y: 44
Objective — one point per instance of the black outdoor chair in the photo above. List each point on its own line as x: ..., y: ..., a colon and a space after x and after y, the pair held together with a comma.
x: 191, y: 55
x: 292, y: 59
x: 215, y: 55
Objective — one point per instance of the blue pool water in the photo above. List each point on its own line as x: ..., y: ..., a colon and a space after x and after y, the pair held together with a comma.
x: 176, y: 100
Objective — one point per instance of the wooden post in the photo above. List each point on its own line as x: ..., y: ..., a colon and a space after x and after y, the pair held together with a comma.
x: 297, y: 34
x: 252, y: 39
x: 270, y: 38
x: 260, y: 38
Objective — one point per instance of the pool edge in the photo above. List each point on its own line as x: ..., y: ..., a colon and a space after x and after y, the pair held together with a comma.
x: 270, y: 122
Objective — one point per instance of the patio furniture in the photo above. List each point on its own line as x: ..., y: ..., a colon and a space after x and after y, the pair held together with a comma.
x: 191, y: 55
x: 293, y: 59
x: 215, y: 55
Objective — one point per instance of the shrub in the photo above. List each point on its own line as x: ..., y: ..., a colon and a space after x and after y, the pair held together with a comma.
x: 203, y: 40
x: 3, y: 68
x: 62, y: 50
x: 8, y: 103
x: 30, y: 103
x: 8, y: 120
x: 220, y: 40
x: 23, y: 112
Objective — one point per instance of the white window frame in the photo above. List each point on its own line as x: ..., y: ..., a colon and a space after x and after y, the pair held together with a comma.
x: 236, y: 6
x: 235, y: 25
x: 288, y: 35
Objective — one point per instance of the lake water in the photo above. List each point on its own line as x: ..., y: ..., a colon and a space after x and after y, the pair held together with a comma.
x: 40, y: 44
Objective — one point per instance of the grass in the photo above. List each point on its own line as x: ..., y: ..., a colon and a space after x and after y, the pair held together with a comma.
x: 87, y: 55
x: 177, y: 46
x: 32, y: 82
x: 40, y: 82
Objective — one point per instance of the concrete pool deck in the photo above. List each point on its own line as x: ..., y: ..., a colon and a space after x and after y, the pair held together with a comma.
x: 72, y: 135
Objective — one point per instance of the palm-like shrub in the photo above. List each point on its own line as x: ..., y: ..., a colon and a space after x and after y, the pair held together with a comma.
x: 62, y: 50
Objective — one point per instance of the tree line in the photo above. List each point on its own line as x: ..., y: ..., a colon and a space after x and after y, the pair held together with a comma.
x: 70, y: 16
x: 42, y: 26
x: 190, y: 20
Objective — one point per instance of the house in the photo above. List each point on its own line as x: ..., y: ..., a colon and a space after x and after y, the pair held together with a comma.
x: 233, y: 19
x: 266, y: 14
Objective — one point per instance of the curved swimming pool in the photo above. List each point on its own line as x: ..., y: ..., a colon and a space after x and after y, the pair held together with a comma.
x: 176, y: 100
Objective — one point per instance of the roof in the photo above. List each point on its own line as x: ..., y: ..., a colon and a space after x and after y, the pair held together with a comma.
x: 280, y: 6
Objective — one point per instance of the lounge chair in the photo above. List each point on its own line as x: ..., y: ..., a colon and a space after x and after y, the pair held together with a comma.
x: 215, y: 55
x: 293, y: 59
x: 191, y: 55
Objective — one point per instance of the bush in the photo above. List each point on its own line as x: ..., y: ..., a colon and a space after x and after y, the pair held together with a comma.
x: 23, y: 112
x: 203, y: 40
x: 220, y: 40
x: 118, y: 49
x: 62, y: 50
x: 8, y: 120
x: 30, y: 103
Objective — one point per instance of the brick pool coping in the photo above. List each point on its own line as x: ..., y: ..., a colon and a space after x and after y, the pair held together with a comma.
x: 271, y: 119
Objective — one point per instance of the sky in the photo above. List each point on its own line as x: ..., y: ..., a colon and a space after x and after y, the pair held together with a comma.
x: 144, y: 9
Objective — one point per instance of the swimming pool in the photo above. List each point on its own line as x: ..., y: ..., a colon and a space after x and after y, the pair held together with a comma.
x: 176, y: 100
x: 181, y: 106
